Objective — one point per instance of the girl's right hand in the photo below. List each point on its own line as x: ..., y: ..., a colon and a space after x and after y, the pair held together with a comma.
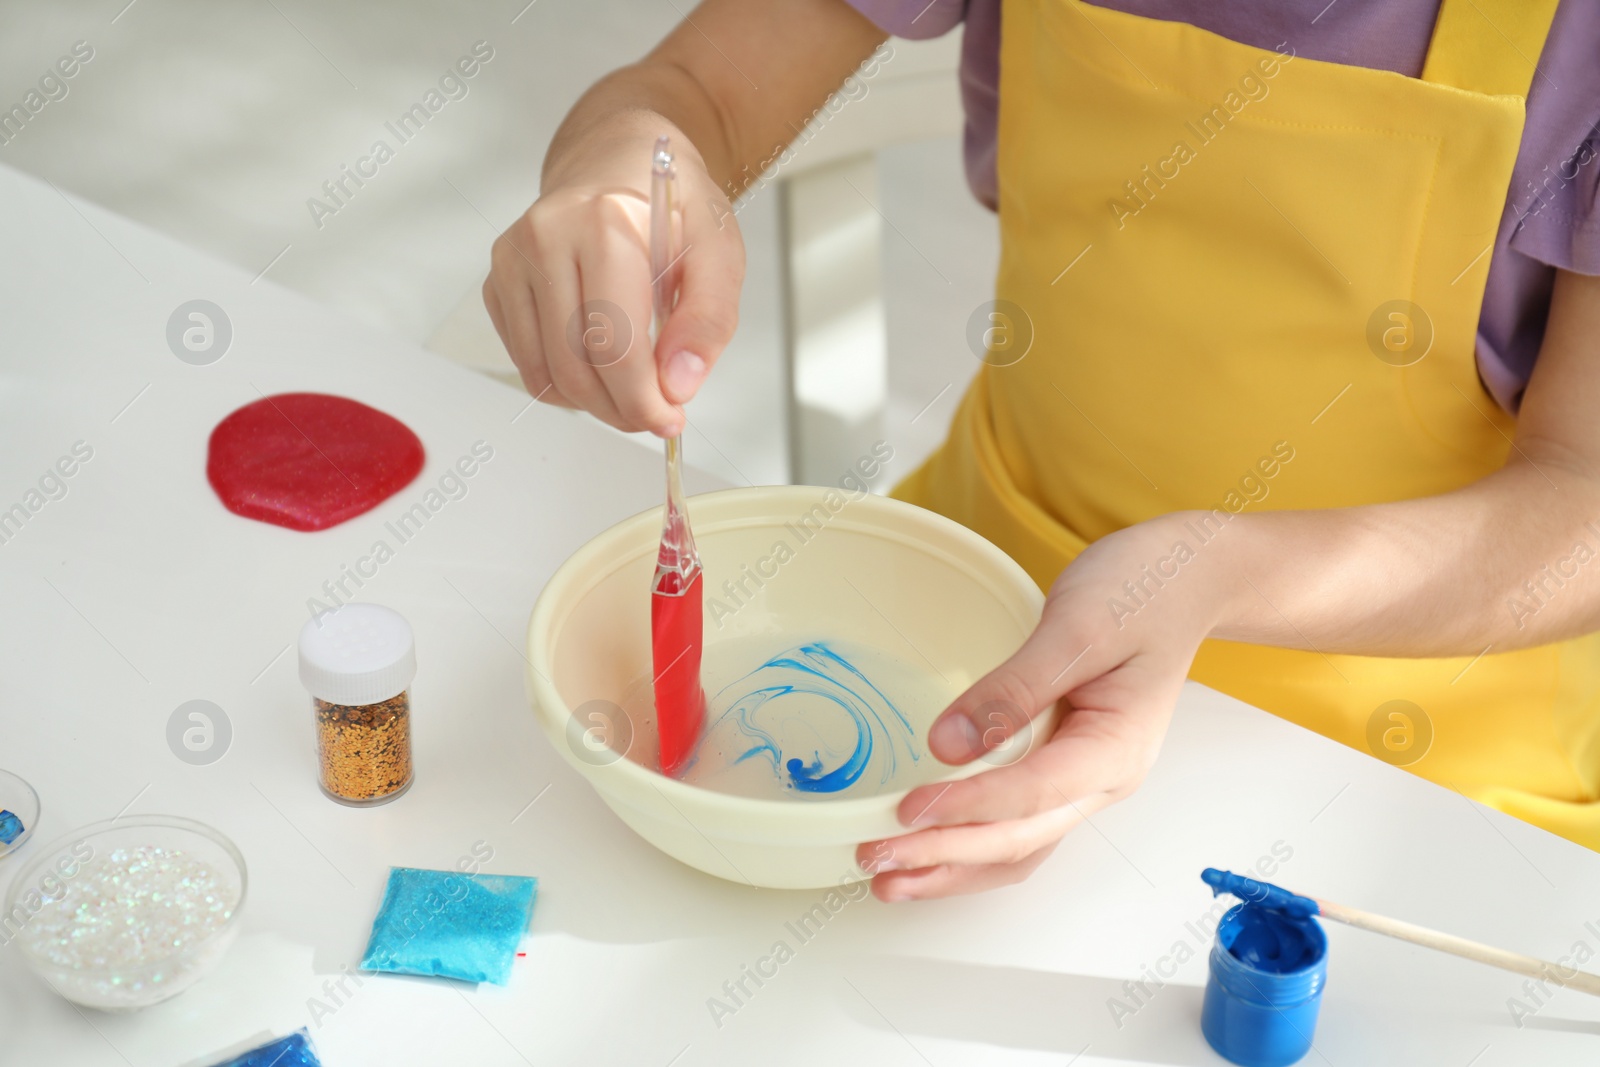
x: 570, y: 288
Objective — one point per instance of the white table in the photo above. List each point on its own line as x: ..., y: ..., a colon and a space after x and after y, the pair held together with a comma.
x: 137, y: 592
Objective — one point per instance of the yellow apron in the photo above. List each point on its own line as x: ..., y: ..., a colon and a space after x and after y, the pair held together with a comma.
x: 1231, y: 279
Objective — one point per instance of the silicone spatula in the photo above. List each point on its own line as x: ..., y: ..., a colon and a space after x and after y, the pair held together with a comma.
x: 676, y: 627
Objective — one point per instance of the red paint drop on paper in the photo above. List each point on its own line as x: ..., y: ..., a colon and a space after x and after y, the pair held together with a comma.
x: 309, y: 461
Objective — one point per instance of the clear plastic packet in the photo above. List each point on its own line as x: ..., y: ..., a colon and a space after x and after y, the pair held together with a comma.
x: 450, y: 924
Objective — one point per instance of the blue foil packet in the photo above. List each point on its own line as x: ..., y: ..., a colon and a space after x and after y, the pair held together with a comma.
x: 10, y: 827
x: 450, y: 924
x: 292, y: 1051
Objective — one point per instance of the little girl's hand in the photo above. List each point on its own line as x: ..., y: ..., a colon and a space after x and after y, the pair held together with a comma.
x: 1116, y: 677
x: 570, y: 292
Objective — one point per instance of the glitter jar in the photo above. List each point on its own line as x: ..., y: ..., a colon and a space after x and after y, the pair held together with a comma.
x: 357, y: 662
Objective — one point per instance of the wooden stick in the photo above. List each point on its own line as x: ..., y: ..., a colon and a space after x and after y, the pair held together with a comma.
x: 1543, y: 970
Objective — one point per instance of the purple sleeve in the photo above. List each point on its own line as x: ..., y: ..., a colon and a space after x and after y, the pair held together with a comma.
x: 1561, y: 226
x: 1557, y: 180
x: 914, y: 20
x: 1552, y: 221
x: 980, y: 68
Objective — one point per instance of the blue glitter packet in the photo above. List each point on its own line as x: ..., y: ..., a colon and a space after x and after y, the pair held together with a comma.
x: 450, y: 924
x: 292, y: 1051
x: 10, y: 827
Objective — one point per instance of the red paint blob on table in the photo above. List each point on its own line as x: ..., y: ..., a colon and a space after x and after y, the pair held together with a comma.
x: 676, y: 632
x: 309, y: 461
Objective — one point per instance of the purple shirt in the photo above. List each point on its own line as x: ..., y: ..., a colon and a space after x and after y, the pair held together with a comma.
x: 1550, y: 220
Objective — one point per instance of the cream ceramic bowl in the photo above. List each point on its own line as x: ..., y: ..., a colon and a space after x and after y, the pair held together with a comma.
x: 867, y: 569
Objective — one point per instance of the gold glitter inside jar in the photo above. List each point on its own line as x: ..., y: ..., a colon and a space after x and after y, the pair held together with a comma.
x: 364, y: 751
x: 357, y: 662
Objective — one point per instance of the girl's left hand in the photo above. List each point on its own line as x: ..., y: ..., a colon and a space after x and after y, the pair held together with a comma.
x: 1116, y: 676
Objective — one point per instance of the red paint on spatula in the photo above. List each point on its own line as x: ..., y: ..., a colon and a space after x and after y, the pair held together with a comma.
x: 309, y: 461
x: 676, y: 633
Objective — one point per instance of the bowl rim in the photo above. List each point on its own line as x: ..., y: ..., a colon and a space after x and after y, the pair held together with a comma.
x: 601, y: 555
x: 10, y: 847
x: 25, y: 874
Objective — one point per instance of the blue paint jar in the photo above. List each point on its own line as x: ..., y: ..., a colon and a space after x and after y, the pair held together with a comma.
x: 1265, y: 986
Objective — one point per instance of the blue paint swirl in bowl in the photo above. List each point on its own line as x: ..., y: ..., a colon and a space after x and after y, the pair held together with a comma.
x: 816, y: 722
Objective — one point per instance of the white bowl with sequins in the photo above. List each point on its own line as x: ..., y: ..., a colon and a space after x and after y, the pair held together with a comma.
x: 126, y: 913
x: 865, y: 569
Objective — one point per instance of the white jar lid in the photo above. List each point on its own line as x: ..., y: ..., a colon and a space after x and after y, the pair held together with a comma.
x: 357, y: 654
